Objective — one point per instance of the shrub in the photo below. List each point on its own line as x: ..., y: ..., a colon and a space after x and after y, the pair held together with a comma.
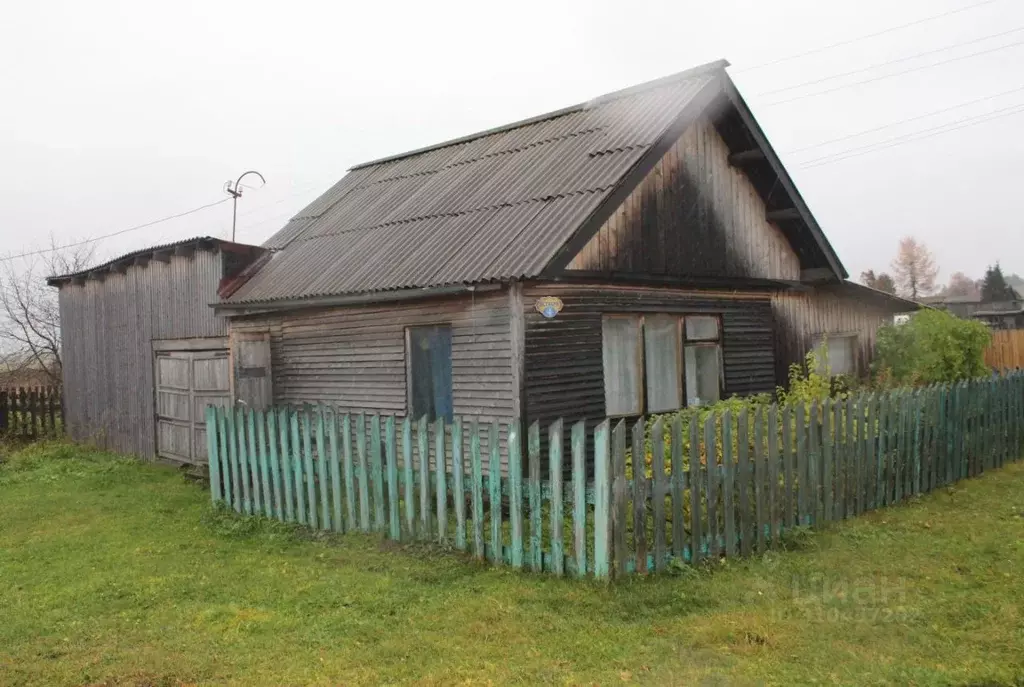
x: 933, y: 347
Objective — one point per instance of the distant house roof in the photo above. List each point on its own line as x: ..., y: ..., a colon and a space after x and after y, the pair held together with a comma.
x: 499, y: 204
x: 945, y: 300
x: 154, y: 253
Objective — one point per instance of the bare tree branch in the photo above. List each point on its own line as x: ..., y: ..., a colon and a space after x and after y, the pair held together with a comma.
x: 30, y: 312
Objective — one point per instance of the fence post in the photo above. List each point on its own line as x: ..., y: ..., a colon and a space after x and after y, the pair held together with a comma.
x: 696, y: 536
x: 332, y: 439
x: 515, y: 492
x: 441, y: 473
x: 800, y: 427
x: 728, y: 486
x: 534, y: 497
x: 555, y: 480
x: 639, y: 460
x: 261, y: 440
x: 391, y: 455
x: 458, y: 484
x: 287, y: 466
x: 423, y: 441
x: 774, y: 519
x: 227, y: 470
x: 212, y: 459
x: 618, y: 507
x: 657, y: 493
x: 579, y: 496
x: 407, y: 465
x: 827, y: 441
x: 494, y: 487
x: 602, y: 500
x: 678, y: 490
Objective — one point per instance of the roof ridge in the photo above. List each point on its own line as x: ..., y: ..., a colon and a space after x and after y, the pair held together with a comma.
x: 593, y: 102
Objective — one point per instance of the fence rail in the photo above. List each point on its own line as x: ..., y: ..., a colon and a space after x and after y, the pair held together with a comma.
x: 1006, y: 351
x: 30, y: 412
x: 728, y: 484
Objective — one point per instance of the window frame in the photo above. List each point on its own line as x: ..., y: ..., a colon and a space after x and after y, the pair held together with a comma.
x: 822, y: 337
x: 717, y: 342
x: 643, y: 402
x: 409, y: 367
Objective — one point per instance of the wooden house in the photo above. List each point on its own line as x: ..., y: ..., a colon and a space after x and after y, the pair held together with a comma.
x: 629, y: 255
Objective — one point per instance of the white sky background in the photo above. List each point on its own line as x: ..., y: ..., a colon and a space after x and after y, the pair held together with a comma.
x: 113, y: 114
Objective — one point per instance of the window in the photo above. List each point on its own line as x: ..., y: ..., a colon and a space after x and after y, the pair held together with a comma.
x: 622, y: 365
x: 703, y: 357
x: 663, y: 373
x: 840, y: 358
x: 647, y: 358
x: 429, y: 361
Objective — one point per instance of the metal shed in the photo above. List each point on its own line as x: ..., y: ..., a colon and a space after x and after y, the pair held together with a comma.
x: 143, y: 351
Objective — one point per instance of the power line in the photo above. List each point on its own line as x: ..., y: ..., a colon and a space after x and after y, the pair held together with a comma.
x: 910, y: 138
x: 894, y: 61
x: 115, y: 233
x: 821, y: 144
x: 889, y: 76
x: 850, y: 41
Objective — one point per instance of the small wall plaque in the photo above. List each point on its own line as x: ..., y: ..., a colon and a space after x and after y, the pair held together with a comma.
x: 549, y: 306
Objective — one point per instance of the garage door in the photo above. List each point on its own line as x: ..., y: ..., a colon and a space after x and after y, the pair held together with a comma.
x: 186, y: 382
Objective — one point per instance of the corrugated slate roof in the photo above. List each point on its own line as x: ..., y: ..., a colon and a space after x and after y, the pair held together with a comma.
x: 495, y: 205
x: 196, y: 243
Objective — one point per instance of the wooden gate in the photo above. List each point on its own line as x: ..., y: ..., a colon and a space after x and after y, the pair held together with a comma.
x: 186, y: 382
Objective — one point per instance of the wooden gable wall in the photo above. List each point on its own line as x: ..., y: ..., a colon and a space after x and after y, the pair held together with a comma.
x: 694, y: 215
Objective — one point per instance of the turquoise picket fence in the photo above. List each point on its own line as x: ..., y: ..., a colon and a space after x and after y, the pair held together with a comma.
x: 714, y: 485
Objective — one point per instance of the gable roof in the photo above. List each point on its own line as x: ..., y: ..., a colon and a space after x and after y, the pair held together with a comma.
x: 496, y: 205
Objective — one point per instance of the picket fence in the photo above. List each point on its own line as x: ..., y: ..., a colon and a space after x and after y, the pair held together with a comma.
x: 30, y: 412
x: 721, y: 484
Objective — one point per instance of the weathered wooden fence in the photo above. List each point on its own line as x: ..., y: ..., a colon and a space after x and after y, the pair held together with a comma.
x: 30, y: 413
x: 1006, y: 352
x: 720, y: 485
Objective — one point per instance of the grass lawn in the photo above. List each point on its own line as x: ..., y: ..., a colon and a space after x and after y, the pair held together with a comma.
x: 114, y: 572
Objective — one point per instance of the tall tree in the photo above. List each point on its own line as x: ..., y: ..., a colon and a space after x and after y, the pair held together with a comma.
x: 961, y: 285
x: 914, y: 269
x: 880, y: 281
x: 994, y: 286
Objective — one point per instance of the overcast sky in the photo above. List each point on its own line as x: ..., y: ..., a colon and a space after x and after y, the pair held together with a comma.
x: 114, y: 114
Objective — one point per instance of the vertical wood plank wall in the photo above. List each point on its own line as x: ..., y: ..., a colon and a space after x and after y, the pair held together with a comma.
x: 107, y: 329
x: 801, y: 316
x: 694, y: 215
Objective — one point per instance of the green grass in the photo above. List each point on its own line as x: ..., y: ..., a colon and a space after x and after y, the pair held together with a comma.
x: 114, y: 572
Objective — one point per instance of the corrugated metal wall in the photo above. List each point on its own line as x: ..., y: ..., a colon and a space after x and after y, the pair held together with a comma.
x: 107, y: 329
x: 353, y: 358
x: 802, y: 316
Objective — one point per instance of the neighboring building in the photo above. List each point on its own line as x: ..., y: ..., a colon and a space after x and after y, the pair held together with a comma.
x: 961, y: 306
x: 629, y: 255
x: 997, y: 315
x: 1001, y: 314
x: 143, y: 351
